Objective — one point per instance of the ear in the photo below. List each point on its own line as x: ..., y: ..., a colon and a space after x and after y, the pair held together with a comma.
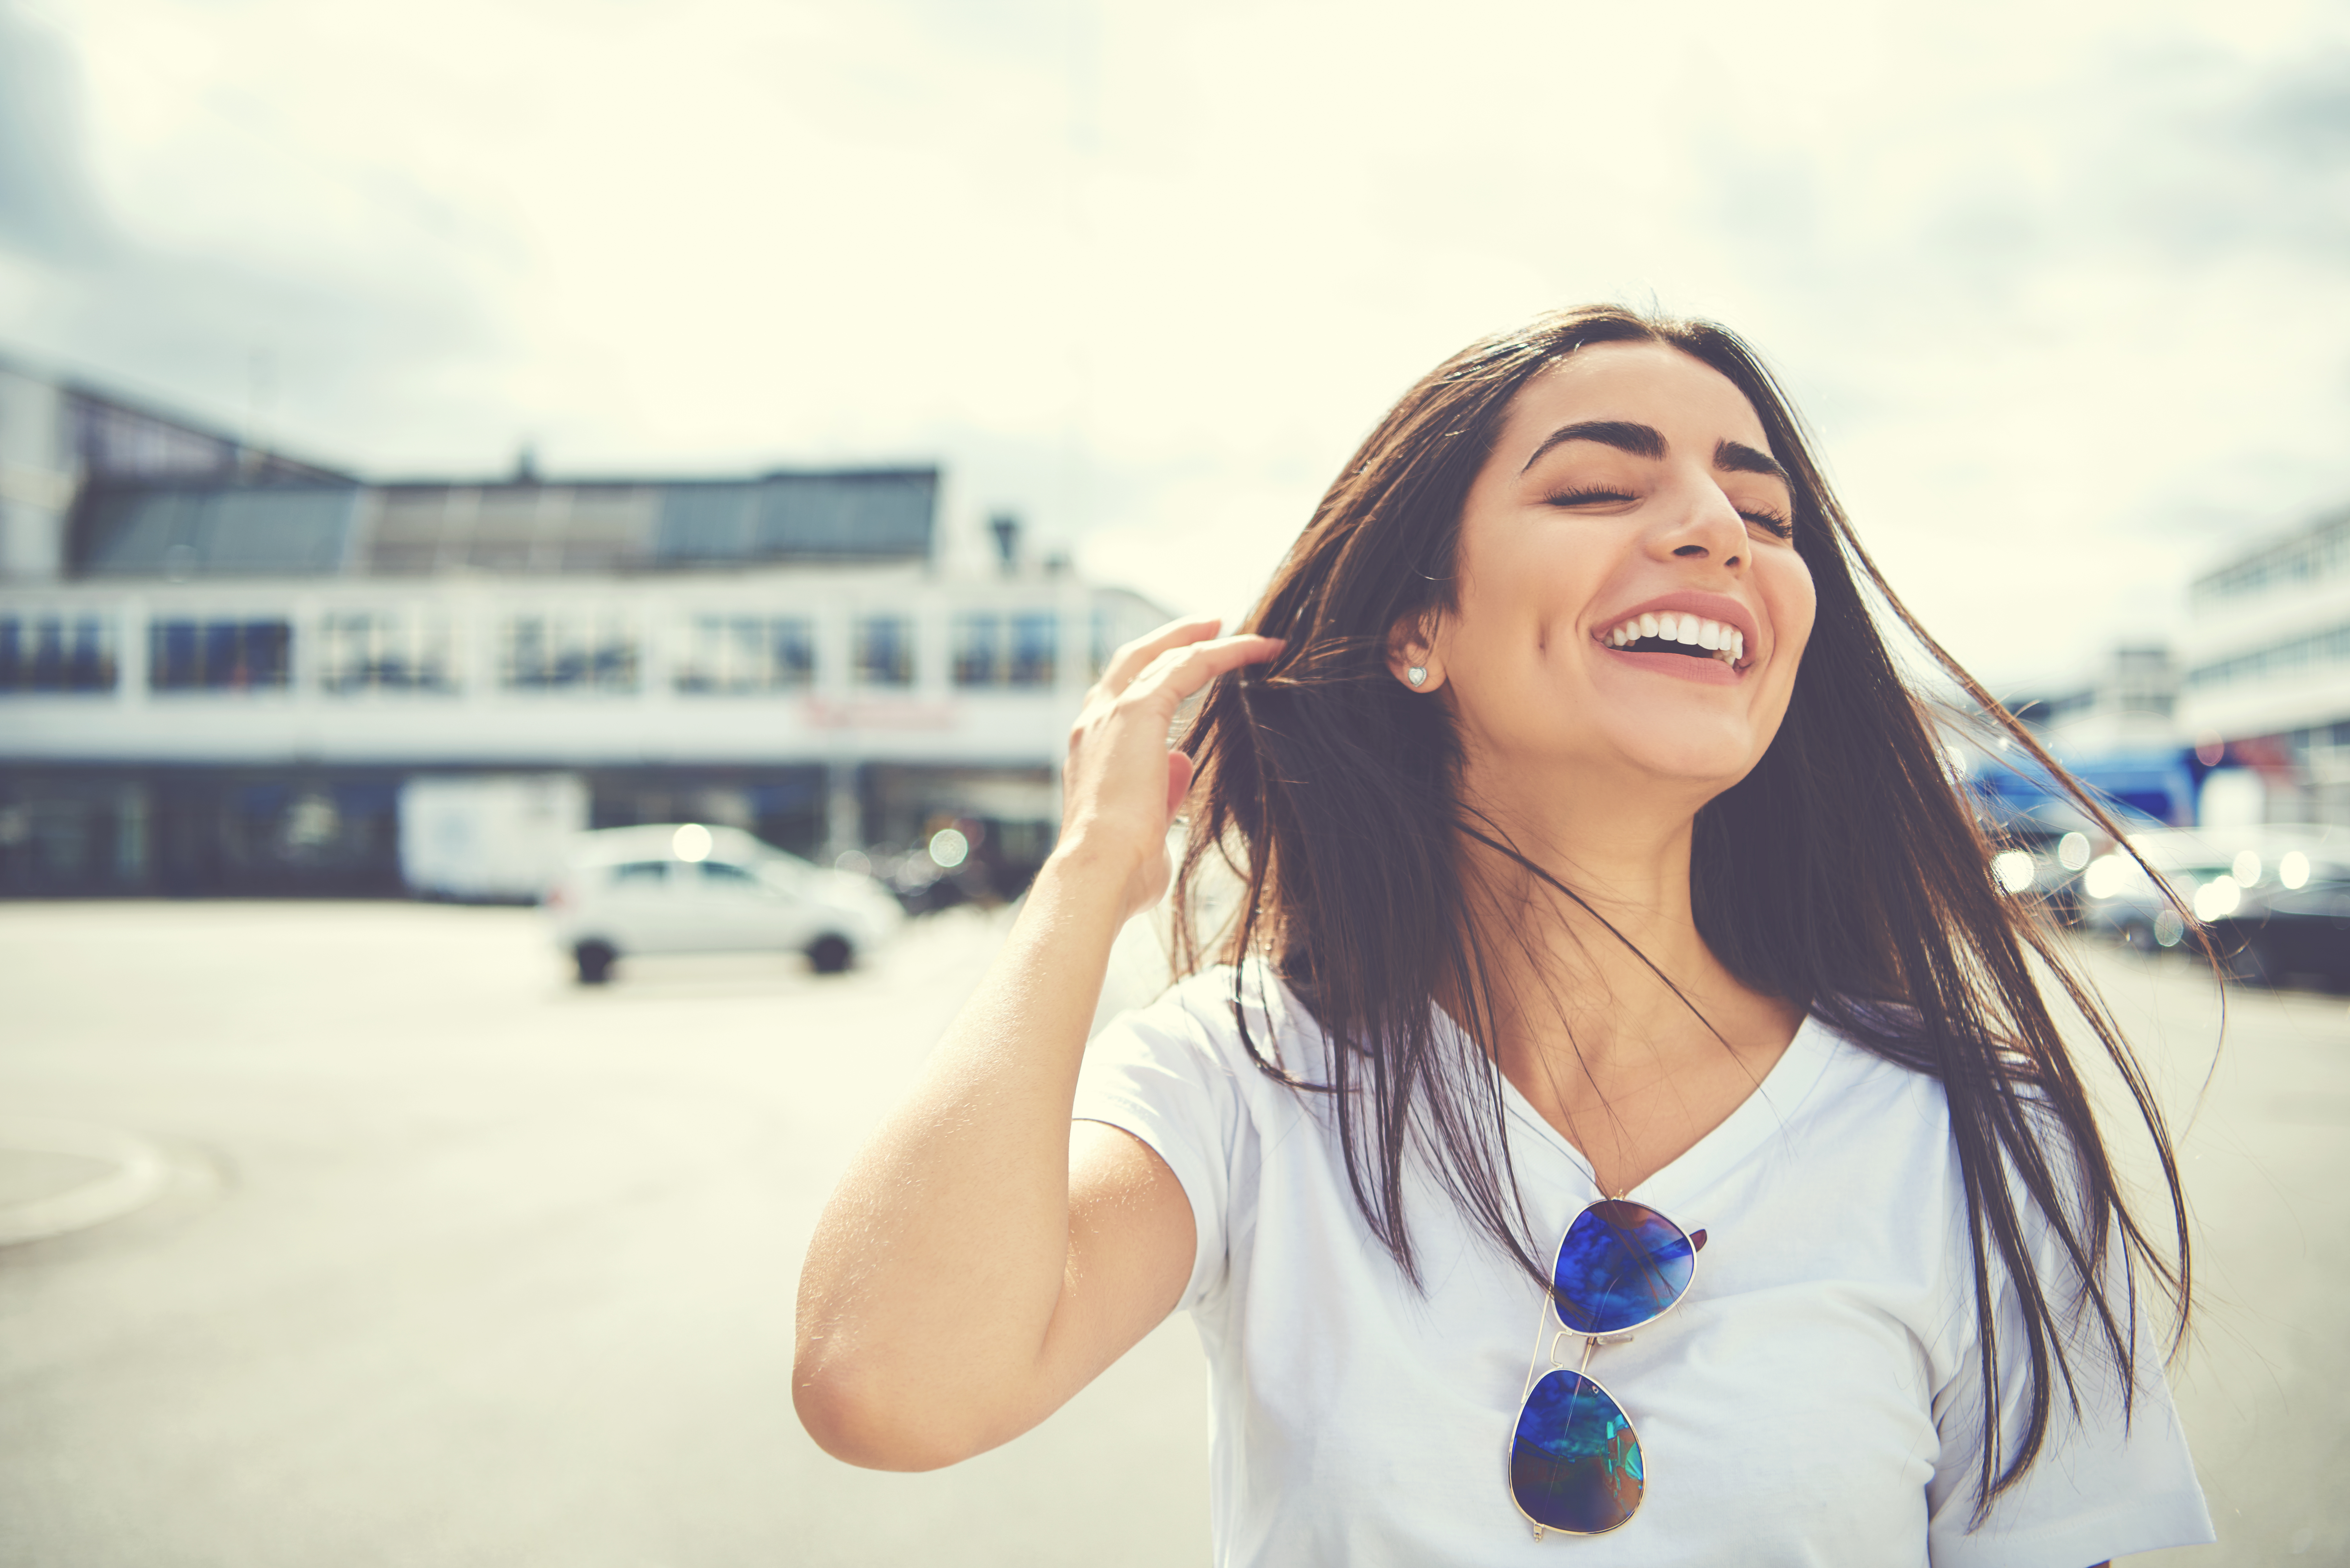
x: 1411, y: 645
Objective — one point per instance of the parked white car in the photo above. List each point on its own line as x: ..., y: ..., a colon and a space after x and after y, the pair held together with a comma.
x: 684, y: 888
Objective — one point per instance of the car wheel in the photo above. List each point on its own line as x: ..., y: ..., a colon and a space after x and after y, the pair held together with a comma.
x: 829, y: 955
x: 595, y: 962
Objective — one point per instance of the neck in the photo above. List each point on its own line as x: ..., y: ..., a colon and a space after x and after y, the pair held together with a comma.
x: 1594, y: 974
x: 1609, y: 1012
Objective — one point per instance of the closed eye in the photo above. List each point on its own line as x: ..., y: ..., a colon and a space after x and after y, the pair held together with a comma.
x: 1586, y: 498
x: 1771, y: 522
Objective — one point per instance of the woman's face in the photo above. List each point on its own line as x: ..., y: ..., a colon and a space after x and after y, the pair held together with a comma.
x: 1630, y: 515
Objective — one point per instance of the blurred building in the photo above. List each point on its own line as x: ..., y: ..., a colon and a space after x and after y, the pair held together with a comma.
x: 2116, y: 729
x: 2128, y: 704
x: 219, y: 667
x: 2267, y: 657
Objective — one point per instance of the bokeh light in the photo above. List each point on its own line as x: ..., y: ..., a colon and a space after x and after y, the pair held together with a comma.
x: 2218, y: 898
x: 692, y: 842
x: 948, y: 848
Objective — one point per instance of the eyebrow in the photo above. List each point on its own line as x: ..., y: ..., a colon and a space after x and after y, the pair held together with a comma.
x: 1737, y: 457
x: 1647, y: 441
x: 1640, y: 441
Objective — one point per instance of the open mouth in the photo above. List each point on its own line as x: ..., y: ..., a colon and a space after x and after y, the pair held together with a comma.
x: 1693, y: 636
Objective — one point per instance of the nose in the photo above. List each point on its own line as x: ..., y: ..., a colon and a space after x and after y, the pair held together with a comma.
x: 1701, y: 526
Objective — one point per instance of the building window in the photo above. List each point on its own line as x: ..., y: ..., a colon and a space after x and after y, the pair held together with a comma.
x: 55, y: 654
x: 219, y: 655
x: 1036, y: 641
x: 745, y: 653
x: 2288, y: 658
x: 368, y: 650
x: 978, y: 649
x: 568, y: 651
x: 885, y: 650
x: 1007, y: 650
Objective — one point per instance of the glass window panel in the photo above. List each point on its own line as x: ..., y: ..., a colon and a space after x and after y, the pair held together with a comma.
x: 744, y: 653
x: 55, y: 654
x: 48, y: 660
x: 1035, y: 638
x: 90, y: 667
x: 219, y: 655
x: 793, y: 646
x: 885, y: 650
x: 978, y: 650
x: 176, y: 666
x: 568, y: 651
x: 412, y: 649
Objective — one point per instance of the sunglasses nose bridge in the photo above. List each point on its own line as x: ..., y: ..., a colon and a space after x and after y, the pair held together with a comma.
x: 1590, y: 1343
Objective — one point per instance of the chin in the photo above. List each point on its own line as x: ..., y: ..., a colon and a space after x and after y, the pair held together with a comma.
x: 1697, y: 763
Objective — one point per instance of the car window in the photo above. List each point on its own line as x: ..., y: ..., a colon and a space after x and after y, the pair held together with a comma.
x: 2323, y: 899
x: 725, y: 875
x: 640, y: 874
x: 785, y: 875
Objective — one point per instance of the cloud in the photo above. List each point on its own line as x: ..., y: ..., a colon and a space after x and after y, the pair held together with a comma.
x: 2060, y: 287
x: 45, y: 209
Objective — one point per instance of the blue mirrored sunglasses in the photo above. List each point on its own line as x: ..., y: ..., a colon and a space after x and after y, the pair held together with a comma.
x: 1574, y: 1459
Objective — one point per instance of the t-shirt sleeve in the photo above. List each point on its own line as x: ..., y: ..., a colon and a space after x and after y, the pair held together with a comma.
x: 2112, y: 1478
x: 1157, y: 1074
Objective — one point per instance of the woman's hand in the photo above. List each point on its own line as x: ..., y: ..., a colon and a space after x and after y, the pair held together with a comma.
x: 1123, y: 785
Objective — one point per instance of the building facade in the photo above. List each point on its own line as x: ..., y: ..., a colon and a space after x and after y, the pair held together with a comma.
x: 218, y: 672
x: 2267, y: 657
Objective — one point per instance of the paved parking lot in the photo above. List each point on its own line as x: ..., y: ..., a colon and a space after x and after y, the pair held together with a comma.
x: 446, y: 1261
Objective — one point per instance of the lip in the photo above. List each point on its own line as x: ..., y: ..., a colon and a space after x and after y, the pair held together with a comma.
x: 1706, y: 607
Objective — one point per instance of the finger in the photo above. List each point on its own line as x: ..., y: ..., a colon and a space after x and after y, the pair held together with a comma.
x: 1131, y: 660
x: 1179, y: 671
x: 1180, y: 768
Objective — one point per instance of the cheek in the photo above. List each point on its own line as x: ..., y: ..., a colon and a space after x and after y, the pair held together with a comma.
x: 1793, y: 605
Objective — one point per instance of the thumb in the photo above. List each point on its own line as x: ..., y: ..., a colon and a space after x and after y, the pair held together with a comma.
x: 1180, y: 768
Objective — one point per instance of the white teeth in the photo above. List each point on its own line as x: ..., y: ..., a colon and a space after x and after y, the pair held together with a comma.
x: 1714, y: 635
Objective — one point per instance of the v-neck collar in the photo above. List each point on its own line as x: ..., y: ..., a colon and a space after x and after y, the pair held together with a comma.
x: 1757, y: 1119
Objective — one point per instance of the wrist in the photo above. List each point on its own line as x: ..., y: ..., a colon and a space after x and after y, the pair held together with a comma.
x: 1082, y: 868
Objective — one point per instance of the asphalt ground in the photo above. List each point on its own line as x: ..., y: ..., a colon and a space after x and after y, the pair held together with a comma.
x: 442, y: 1260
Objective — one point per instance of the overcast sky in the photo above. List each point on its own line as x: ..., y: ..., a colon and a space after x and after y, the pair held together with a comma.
x: 2064, y: 288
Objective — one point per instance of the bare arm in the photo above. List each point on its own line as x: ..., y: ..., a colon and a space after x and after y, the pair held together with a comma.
x: 981, y: 1261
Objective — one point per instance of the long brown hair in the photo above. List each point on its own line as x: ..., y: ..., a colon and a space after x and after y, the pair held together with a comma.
x: 1844, y: 874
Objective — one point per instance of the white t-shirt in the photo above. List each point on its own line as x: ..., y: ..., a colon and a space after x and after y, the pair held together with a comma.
x: 1812, y: 1400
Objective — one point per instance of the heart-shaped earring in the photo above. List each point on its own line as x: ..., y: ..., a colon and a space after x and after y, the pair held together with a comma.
x: 1417, y: 675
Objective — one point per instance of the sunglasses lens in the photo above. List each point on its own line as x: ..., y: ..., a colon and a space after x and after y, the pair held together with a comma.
x: 1574, y: 1464
x: 1621, y: 1264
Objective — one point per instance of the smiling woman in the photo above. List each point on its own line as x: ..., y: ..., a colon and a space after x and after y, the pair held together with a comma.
x: 1604, y: 902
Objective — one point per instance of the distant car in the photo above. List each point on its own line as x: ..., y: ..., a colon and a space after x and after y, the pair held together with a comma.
x: 2276, y: 933
x: 2118, y: 898
x: 2048, y: 842
x: 2253, y: 888
x: 684, y: 888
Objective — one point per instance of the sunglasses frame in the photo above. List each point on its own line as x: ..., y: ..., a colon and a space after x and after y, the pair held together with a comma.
x: 1536, y: 1370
